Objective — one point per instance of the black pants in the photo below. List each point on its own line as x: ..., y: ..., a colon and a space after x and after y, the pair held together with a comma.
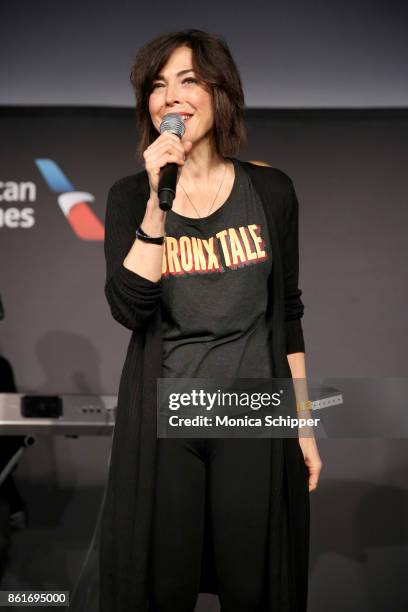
x: 232, y: 477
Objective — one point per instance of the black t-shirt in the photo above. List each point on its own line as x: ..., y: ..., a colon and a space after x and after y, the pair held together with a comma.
x: 215, y: 290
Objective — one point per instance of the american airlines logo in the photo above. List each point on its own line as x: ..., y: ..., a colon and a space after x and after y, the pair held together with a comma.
x: 75, y: 205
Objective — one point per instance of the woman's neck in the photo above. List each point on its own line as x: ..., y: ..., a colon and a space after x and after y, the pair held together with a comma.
x: 202, y: 164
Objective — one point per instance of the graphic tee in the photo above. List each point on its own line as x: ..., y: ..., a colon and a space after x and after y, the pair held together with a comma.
x: 215, y: 290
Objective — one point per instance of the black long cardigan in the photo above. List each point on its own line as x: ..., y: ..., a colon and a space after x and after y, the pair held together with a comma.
x: 135, y: 303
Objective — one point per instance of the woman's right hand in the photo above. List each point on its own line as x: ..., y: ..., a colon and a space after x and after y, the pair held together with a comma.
x: 167, y: 148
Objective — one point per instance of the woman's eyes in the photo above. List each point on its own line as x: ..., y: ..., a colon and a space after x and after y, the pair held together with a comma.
x: 187, y: 80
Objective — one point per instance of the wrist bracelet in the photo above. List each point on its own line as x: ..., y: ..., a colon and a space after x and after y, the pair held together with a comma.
x: 141, y: 235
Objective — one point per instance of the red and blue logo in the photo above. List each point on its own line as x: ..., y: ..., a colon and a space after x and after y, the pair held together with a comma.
x: 74, y: 204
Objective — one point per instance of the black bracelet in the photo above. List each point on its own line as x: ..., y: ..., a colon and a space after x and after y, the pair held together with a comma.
x: 141, y: 235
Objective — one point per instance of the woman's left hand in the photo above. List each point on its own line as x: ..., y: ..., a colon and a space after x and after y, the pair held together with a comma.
x: 312, y: 459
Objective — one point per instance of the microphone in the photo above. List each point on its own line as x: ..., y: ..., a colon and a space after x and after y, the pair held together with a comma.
x: 168, y: 174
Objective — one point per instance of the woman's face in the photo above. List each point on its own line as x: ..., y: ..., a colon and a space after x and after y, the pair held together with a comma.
x: 177, y: 90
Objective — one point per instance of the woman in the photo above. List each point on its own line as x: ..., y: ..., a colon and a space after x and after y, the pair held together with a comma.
x: 198, y: 289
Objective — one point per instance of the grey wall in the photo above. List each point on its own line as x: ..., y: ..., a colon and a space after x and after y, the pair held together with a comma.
x: 326, y: 53
x: 349, y: 170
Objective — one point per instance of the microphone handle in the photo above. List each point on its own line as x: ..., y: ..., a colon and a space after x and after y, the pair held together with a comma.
x: 167, y: 185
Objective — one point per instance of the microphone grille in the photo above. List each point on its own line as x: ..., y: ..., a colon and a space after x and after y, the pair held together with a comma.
x: 172, y: 122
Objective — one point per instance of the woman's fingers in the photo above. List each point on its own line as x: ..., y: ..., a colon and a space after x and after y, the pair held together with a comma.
x: 312, y: 460
x: 314, y: 473
x: 167, y: 148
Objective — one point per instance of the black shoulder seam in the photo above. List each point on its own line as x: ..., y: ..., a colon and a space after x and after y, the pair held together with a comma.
x: 272, y: 171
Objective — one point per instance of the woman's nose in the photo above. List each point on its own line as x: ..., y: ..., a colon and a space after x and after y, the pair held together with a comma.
x: 171, y: 94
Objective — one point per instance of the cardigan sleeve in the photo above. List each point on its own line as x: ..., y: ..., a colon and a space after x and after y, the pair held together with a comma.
x: 293, y: 304
x: 131, y: 297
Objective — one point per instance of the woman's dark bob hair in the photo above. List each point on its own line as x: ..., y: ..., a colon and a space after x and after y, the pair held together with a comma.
x: 213, y: 65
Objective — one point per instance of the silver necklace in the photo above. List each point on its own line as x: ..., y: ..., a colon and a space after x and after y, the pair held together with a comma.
x: 216, y: 195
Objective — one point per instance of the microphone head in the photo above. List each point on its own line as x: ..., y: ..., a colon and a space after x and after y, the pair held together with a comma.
x: 172, y: 122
